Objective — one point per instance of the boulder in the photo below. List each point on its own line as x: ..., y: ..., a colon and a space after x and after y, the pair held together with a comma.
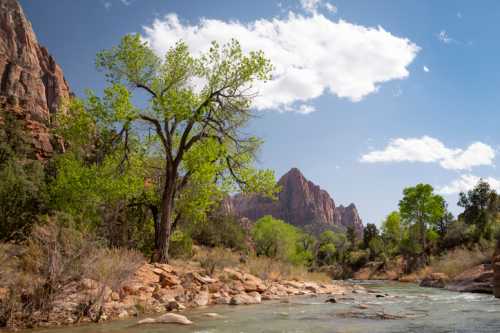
x: 202, y: 298
x: 435, y: 280
x: 168, y: 318
x: 478, y: 279
x: 244, y: 299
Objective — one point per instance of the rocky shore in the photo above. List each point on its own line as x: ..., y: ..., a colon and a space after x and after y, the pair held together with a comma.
x: 163, y: 288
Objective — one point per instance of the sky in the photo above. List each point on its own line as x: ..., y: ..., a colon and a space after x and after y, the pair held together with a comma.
x: 367, y: 97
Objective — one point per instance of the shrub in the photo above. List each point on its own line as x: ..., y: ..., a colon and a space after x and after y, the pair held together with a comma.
x: 458, y: 260
x: 358, y: 259
x: 181, y: 245
x: 110, y: 268
x: 22, y: 197
x: 219, y: 231
x: 277, y: 239
x: 213, y: 259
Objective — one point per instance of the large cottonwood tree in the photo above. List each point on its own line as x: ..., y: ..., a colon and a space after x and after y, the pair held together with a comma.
x: 192, y: 120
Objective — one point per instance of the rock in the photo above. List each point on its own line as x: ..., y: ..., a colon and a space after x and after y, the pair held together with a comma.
x: 146, y: 321
x: 253, y: 283
x: 123, y: 314
x: 212, y: 315
x: 168, y: 318
x: 331, y: 300
x: 435, y: 280
x: 233, y: 274
x: 202, y: 298
x: 172, y: 306
x: 495, y: 262
x: 244, y: 299
x: 204, y: 279
x: 169, y: 280
x: 33, y: 85
x: 478, y: 279
x: 300, y: 203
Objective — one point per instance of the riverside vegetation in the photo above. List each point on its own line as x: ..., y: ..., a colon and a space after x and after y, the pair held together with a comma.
x: 141, y: 177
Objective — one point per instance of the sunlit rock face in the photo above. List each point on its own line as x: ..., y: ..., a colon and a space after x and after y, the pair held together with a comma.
x: 301, y: 203
x: 32, y: 84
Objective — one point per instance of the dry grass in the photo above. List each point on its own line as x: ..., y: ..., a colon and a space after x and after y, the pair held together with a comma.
x: 263, y: 267
x: 35, y: 274
x: 458, y: 260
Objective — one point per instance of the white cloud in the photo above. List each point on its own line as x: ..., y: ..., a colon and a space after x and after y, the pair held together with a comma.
x: 305, y: 109
x: 443, y: 37
x: 310, y: 6
x: 107, y: 4
x: 311, y: 55
x: 126, y: 2
x: 466, y: 183
x: 426, y: 69
x: 331, y: 8
x: 431, y: 150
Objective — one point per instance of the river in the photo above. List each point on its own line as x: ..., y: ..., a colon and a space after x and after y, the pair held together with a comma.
x: 412, y: 309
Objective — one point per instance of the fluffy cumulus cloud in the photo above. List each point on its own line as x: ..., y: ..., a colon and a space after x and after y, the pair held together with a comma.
x: 430, y: 150
x: 311, y: 54
x: 465, y: 183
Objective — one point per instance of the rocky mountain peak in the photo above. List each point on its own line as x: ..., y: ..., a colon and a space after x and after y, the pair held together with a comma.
x: 32, y: 84
x: 301, y: 203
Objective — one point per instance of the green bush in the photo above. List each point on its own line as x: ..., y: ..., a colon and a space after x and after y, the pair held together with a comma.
x: 22, y: 197
x: 181, y: 245
x: 276, y: 239
x: 218, y: 231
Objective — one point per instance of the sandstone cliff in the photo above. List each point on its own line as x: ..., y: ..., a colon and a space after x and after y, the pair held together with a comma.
x: 32, y: 85
x: 301, y: 203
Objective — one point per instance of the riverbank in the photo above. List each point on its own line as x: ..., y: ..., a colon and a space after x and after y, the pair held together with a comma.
x: 158, y: 288
x: 406, y: 307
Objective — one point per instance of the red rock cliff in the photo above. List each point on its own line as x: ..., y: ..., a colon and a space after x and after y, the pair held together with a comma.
x: 301, y: 203
x: 31, y: 83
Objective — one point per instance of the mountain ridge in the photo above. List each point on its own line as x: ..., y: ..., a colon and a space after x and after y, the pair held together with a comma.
x: 301, y: 203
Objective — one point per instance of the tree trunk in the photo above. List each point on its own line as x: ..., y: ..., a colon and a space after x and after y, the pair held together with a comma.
x: 163, y: 230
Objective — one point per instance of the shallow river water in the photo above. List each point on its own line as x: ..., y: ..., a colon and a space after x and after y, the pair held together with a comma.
x: 415, y: 309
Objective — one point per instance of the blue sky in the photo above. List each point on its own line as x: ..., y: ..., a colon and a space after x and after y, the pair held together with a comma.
x: 380, y: 122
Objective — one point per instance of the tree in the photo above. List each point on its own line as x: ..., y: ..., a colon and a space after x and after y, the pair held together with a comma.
x: 332, y: 247
x: 480, y: 206
x: 421, y: 208
x: 23, y: 194
x: 276, y: 239
x: 391, y: 227
x: 370, y: 232
x: 196, y: 131
x: 351, y: 236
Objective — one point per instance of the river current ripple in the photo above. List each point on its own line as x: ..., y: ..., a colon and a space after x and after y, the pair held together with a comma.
x: 403, y: 308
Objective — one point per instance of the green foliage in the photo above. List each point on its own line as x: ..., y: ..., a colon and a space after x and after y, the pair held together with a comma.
x: 332, y: 247
x: 370, y: 232
x: 195, y: 132
x: 23, y: 192
x: 14, y: 143
x: 480, y: 208
x: 277, y: 239
x: 391, y: 227
x: 357, y: 259
x: 422, y: 208
x: 181, y: 245
x: 218, y: 231
x: 23, y: 197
